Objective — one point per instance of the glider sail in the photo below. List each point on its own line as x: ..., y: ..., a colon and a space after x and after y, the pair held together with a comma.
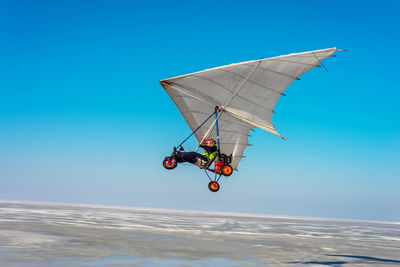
x: 247, y: 93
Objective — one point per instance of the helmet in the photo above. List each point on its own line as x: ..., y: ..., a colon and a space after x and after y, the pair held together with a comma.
x: 208, y: 142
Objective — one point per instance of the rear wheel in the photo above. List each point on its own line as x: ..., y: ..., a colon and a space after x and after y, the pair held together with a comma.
x: 227, y: 170
x: 213, y: 186
x: 169, y: 163
x: 225, y: 158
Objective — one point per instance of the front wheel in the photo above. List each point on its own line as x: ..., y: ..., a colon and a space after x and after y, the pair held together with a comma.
x: 227, y: 170
x: 169, y: 163
x: 213, y: 186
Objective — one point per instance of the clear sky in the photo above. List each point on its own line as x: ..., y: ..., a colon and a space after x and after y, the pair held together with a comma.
x: 84, y: 120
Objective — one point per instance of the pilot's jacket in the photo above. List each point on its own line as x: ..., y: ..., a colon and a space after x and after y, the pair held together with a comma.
x: 210, y: 152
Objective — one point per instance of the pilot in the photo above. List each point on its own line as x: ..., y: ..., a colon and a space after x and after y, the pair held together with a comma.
x: 211, y: 150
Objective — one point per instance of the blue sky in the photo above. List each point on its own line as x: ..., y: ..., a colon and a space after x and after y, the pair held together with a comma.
x: 84, y: 120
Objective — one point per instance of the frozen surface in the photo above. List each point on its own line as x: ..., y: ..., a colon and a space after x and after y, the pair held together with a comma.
x: 44, y: 234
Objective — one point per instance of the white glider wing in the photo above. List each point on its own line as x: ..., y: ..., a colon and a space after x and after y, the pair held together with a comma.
x: 247, y: 92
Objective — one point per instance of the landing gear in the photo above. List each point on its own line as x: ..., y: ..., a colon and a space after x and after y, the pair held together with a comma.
x: 227, y: 170
x: 213, y: 186
x: 169, y: 163
x: 222, y: 166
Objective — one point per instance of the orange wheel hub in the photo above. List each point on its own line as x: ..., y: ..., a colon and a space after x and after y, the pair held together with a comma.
x: 213, y: 186
x: 227, y: 170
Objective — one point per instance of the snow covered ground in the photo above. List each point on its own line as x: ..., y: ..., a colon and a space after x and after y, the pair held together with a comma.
x: 50, y: 234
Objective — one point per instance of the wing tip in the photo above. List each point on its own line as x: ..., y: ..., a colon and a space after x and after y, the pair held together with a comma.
x: 164, y: 84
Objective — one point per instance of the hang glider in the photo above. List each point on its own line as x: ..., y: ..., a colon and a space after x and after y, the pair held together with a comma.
x: 245, y: 95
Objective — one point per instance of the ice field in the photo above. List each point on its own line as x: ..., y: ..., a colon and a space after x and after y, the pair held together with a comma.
x: 50, y: 234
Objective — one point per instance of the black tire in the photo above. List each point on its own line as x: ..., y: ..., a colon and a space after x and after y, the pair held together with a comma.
x: 226, y: 159
x: 227, y: 170
x: 213, y: 186
x: 169, y: 163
